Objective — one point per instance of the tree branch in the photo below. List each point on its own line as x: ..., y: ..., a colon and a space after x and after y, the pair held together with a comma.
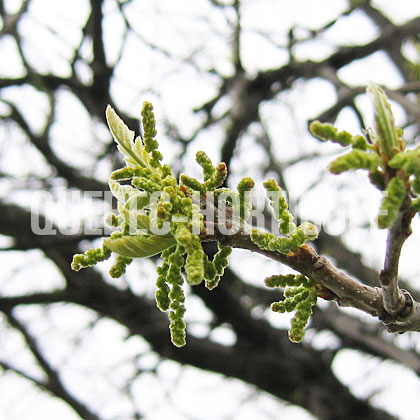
x: 345, y: 290
x: 356, y: 334
x: 53, y: 383
x: 41, y: 142
x: 393, y: 297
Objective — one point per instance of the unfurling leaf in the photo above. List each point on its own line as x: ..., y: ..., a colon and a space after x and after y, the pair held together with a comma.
x: 139, y: 246
x: 386, y: 132
x: 124, y: 138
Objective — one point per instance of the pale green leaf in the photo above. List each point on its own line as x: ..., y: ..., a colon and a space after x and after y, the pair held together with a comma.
x: 139, y: 246
x: 134, y: 218
x: 128, y: 194
x: 140, y: 151
x: 138, y: 201
x: 124, y: 138
x: 385, y: 130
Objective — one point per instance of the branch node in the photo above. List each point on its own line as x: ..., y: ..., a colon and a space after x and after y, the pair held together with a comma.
x: 319, y: 263
x: 384, y: 278
x: 407, y: 305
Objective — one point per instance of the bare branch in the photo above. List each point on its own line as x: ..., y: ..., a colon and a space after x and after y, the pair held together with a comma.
x: 401, y: 229
x: 354, y: 333
x: 41, y: 142
x: 53, y: 383
x: 342, y: 288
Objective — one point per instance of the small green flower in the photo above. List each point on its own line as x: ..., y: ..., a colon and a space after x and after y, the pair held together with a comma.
x: 192, y: 183
x: 217, y: 179
x: 90, y: 258
x: 409, y: 162
x: 124, y: 174
x: 356, y: 159
x: 204, y: 161
x: 118, y: 269
x: 162, y: 291
x: 326, y: 131
x: 178, y: 327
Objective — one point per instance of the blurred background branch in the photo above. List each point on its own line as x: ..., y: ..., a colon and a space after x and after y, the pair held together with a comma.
x: 240, y: 80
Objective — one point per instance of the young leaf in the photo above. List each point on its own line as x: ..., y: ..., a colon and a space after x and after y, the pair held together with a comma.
x: 134, y: 218
x: 386, y: 132
x: 139, y: 246
x: 124, y: 192
x: 124, y: 138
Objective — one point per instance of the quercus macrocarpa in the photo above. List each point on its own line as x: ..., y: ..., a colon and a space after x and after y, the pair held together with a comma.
x: 160, y: 214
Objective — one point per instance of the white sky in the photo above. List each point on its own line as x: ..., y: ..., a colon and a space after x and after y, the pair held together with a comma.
x: 171, y: 25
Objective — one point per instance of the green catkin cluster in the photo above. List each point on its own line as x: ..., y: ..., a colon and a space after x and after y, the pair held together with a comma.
x: 192, y: 183
x: 141, y: 211
x: 362, y: 155
x: 214, y: 176
x: 162, y: 292
x: 280, y: 207
x: 300, y: 296
x: 194, y: 265
x: 409, y: 162
x: 356, y: 159
x: 303, y: 233
x: 118, y: 269
x: 204, y: 161
x: 174, y: 278
x: 244, y: 188
x: 149, y: 132
x: 391, y: 202
x: 392, y: 169
x: 326, y: 131
x: 294, y: 237
x: 90, y: 258
x: 213, y: 270
x: 217, y: 178
x: 169, y: 293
